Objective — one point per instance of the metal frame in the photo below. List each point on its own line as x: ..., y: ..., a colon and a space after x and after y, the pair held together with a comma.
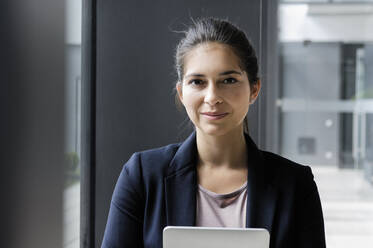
x: 87, y: 205
x: 268, y: 59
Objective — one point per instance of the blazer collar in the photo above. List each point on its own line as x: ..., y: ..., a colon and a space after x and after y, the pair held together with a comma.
x: 261, y: 190
x: 185, y: 156
x: 181, y: 187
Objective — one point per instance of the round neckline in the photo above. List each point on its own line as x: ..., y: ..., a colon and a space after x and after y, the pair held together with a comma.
x: 225, y: 195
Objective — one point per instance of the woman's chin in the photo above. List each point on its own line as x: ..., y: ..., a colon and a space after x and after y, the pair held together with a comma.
x: 213, y: 130
x: 219, y: 130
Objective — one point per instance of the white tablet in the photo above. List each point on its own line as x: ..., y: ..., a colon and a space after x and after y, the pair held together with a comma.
x: 214, y: 237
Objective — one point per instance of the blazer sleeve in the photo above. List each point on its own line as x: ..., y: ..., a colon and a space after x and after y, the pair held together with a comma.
x: 310, y: 221
x: 125, y: 221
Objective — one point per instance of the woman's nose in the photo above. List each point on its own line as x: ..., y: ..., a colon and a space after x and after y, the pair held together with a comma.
x: 212, y: 95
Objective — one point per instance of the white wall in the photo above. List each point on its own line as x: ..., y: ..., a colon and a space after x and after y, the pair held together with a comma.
x: 322, y: 22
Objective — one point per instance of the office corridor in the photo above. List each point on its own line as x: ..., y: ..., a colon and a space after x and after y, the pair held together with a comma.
x: 347, y: 202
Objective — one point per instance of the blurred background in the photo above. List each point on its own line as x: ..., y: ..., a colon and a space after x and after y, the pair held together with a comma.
x: 326, y: 108
x: 85, y: 83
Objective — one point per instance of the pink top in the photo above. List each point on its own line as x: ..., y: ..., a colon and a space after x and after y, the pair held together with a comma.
x: 221, y: 210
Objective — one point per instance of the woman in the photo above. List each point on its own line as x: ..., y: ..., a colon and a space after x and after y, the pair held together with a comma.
x: 217, y: 176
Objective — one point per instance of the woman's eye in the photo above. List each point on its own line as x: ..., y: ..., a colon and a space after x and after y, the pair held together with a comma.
x: 229, y: 81
x: 196, y: 82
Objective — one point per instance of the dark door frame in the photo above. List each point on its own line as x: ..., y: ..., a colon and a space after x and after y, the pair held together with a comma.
x: 88, y: 139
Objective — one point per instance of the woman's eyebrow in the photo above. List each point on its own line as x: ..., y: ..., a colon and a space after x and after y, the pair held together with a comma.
x: 230, y: 72
x: 194, y: 75
x: 220, y: 74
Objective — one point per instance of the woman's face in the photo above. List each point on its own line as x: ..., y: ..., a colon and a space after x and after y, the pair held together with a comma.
x: 215, y: 91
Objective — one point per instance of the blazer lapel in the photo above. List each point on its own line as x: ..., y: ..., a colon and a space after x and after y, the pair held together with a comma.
x: 181, y: 185
x: 261, y: 193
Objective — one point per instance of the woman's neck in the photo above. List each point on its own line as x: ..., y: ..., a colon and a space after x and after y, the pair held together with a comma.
x: 228, y: 150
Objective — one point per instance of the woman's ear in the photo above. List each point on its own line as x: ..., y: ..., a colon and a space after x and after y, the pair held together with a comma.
x: 179, y: 88
x: 255, y: 89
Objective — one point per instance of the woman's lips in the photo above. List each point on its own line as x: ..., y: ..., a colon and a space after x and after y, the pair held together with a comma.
x: 212, y: 116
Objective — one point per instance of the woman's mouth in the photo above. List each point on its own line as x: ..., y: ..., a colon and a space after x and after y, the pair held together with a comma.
x: 214, y: 116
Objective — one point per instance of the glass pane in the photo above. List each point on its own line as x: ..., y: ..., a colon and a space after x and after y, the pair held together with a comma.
x: 326, y: 109
x: 73, y: 124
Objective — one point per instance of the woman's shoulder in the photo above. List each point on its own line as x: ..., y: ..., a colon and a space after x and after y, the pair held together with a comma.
x: 159, y: 155
x: 286, y: 167
x: 152, y: 161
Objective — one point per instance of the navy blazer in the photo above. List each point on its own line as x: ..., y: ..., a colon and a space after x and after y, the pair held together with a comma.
x: 158, y: 188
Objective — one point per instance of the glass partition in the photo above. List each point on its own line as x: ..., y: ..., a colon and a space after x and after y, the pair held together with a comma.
x: 326, y: 109
x: 71, y: 237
